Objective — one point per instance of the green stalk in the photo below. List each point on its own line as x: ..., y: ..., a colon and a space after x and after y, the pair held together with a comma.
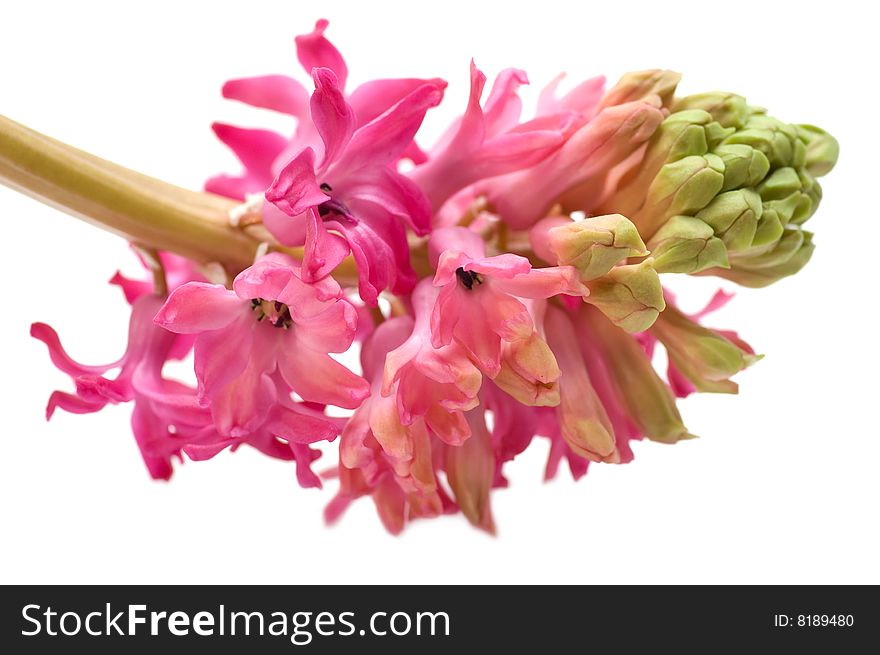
x: 143, y: 210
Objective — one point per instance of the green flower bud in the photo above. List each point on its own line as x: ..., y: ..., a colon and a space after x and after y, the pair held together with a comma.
x: 778, y: 140
x: 680, y: 135
x: 595, y: 245
x: 822, y: 149
x: 781, y: 183
x: 639, y: 85
x: 747, y: 175
x: 681, y: 187
x: 787, y: 257
x: 687, y: 245
x: 733, y: 215
x: 638, y: 388
x: 770, y: 229
x: 630, y: 296
x: 729, y: 109
x: 743, y: 165
x: 703, y: 356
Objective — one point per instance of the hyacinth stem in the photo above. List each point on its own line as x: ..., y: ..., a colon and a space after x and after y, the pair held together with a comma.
x: 150, y: 213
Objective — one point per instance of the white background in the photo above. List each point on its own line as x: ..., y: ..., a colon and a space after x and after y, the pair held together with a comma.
x: 783, y: 484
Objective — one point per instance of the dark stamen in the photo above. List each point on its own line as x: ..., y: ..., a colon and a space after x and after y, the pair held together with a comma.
x: 467, y: 278
x: 326, y: 188
x: 277, y: 313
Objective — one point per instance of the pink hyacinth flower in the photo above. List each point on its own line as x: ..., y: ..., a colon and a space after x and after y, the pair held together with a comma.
x: 139, y: 378
x: 379, y: 455
x: 148, y: 348
x: 353, y: 190
x: 262, y: 152
x: 269, y: 336
x: 488, y: 140
x: 437, y: 384
x: 479, y: 305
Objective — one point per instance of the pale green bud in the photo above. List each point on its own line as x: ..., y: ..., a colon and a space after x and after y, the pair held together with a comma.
x: 729, y: 109
x: 778, y: 140
x: 790, y: 254
x: 681, y: 188
x: 680, y: 135
x: 630, y: 296
x: 743, y: 165
x: 595, y: 245
x: 686, y: 245
x: 822, y: 149
x: 734, y: 215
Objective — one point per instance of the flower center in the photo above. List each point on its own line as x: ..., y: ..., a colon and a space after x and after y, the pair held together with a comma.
x: 277, y: 313
x: 467, y: 278
x: 334, y: 207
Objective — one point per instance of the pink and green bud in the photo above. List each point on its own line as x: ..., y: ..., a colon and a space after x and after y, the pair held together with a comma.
x: 592, y: 245
x: 643, y: 85
x: 470, y: 469
x: 529, y: 372
x: 705, y: 357
x: 583, y: 421
x: 647, y: 400
x: 630, y: 296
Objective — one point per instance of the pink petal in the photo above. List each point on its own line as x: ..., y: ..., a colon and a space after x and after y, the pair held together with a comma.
x: 331, y: 331
x: 71, y: 403
x: 295, y: 189
x: 231, y: 186
x: 503, y: 106
x: 277, y: 92
x: 472, y: 129
x: 503, y: 266
x: 301, y: 427
x: 289, y: 230
x: 584, y: 98
x: 464, y: 242
x: 314, y: 51
x: 544, y: 283
x: 198, y: 307
x: 59, y: 356
x: 324, y: 251
x: 133, y: 289
x: 319, y: 378
x: 304, y: 474
x: 152, y: 438
x: 384, y: 140
x: 221, y: 355
x: 394, y: 194
x: 243, y: 405
x: 266, y: 279
x: 372, y: 99
x: 719, y: 300
x: 256, y: 149
x: 331, y: 114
